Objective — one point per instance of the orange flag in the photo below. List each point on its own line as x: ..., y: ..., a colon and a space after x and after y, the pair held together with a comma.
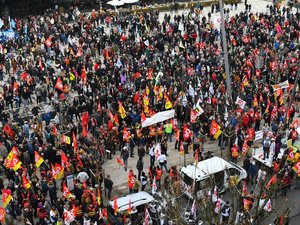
x: 244, y: 190
x: 16, y: 86
x: 25, y: 182
x: 98, y: 196
x: 181, y: 149
x: 54, y: 130
x: 6, y: 197
x: 116, y: 207
x: 38, y: 159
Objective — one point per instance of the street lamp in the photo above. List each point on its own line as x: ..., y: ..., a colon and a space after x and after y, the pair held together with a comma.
x: 228, y: 77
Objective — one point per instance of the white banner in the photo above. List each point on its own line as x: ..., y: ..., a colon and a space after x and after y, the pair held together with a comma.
x: 159, y: 117
x: 281, y: 85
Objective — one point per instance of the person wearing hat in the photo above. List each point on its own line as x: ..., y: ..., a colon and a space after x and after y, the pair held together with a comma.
x: 125, y: 156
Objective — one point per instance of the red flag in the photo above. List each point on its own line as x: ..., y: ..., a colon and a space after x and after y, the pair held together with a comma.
x: 129, y: 207
x: 84, y: 118
x: 126, y: 134
x: 272, y: 181
x: 116, y: 207
x: 143, y: 117
x: 25, y: 182
x: 83, y: 75
x: 66, y: 192
x: 295, y: 123
x: 116, y: 120
x: 8, y: 130
x: 74, y: 141
x: 64, y: 159
x: 41, y: 64
x: 48, y: 42
x: 2, y: 214
x: 187, y: 133
x: 150, y: 74
x: 79, y: 160
x: 215, y: 129
x: 193, y: 115
x: 296, y: 168
x: 120, y: 161
x: 6, y: 197
x: 59, y: 84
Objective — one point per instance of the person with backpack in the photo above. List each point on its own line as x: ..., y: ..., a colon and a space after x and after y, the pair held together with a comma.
x: 266, y: 147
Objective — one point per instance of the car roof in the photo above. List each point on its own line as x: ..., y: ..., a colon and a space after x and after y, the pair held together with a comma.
x: 136, y: 199
x: 206, y: 167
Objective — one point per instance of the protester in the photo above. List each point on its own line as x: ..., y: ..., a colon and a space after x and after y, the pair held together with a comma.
x: 77, y: 88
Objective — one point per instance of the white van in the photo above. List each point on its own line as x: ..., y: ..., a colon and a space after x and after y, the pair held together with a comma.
x: 198, y: 176
x: 138, y: 203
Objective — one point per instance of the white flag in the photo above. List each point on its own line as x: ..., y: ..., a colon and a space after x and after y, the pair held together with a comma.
x: 218, y: 206
x: 194, y: 209
x: 215, y: 195
x: 154, y: 186
x: 119, y: 63
x: 268, y: 206
x: 198, y: 107
x: 281, y: 85
x: 211, y: 88
x: 146, y: 42
x: 147, y: 219
x: 240, y: 102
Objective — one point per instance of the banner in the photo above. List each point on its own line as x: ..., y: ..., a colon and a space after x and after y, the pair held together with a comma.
x: 158, y: 117
x: 240, y: 102
x: 281, y: 85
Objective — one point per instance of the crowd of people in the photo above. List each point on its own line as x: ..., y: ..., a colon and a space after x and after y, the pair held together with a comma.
x: 104, y: 74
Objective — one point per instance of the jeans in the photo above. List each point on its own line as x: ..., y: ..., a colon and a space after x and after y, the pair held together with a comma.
x: 152, y: 160
x: 169, y: 135
x: 164, y: 165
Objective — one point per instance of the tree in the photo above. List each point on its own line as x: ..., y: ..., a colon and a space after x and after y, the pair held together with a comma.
x: 209, y: 204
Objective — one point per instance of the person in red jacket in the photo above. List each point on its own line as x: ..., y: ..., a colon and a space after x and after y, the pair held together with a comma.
x: 286, y: 183
x: 42, y: 213
x: 293, y: 135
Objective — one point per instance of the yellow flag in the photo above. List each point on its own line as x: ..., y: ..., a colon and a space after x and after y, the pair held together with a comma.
x: 168, y: 104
